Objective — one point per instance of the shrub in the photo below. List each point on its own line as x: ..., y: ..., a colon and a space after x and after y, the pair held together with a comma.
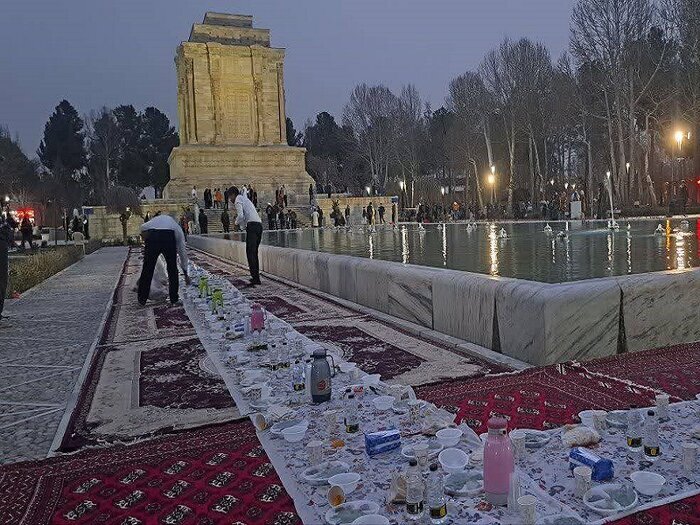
x: 26, y: 271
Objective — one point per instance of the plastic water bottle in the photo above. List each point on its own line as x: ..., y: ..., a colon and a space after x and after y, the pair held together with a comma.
x: 298, y: 381
x: 634, y: 429
x: 415, y: 491
x: 652, y: 449
x: 352, y: 421
x: 437, y: 505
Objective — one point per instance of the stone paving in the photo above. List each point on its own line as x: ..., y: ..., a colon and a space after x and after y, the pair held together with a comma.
x: 44, y: 347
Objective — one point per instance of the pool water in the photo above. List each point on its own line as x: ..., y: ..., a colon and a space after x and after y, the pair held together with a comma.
x: 585, y: 251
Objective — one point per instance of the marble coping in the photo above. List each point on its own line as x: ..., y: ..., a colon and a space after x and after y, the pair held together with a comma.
x: 539, y: 323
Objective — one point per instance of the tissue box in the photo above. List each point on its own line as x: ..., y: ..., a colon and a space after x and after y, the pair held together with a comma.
x: 603, y: 469
x: 383, y: 441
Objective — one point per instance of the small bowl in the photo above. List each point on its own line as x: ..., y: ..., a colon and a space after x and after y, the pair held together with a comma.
x: 453, y: 460
x: 647, y: 483
x: 383, y: 403
x: 371, y: 519
x: 294, y: 434
x: 347, y: 481
x: 448, y: 437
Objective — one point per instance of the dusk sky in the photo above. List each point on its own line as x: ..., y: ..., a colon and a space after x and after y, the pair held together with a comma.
x: 105, y: 53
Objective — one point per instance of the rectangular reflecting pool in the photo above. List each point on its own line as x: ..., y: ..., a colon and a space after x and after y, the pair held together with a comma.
x: 572, y: 251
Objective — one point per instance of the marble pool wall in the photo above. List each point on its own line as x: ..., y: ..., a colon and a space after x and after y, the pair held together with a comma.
x: 539, y: 323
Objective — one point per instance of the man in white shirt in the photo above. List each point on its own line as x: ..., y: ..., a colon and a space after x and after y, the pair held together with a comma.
x: 162, y: 235
x: 247, y: 219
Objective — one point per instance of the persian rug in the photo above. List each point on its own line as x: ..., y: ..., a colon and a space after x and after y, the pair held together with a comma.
x: 665, y: 369
x: 538, y: 398
x: 149, y: 375
x: 682, y: 512
x: 209, y: 476
x: 376, y: 346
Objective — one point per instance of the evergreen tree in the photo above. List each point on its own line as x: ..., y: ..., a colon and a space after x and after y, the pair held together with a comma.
x: 63, y: 139
x: 18, y: 174
x: 131, y: 166
x: 158, y: 138
x: 294, y: 137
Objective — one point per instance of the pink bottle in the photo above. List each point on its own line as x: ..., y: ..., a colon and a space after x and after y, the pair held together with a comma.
x: 257, y: 318
x: 498, y: 462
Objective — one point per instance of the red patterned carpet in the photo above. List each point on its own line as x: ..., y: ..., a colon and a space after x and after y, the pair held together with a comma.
x: 682, y: 512
x: 672, y: 370
x: 535, y: 398
x: 207, y: 476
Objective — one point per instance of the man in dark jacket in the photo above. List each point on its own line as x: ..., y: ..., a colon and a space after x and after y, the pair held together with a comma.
x: 225, y: 221
x: 203, y: 222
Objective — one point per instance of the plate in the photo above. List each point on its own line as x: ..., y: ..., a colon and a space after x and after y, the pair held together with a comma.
x: 535, y: 438
x: 616, y: 419
x: 610, y: 498
x: 348, y: 512
x: 319, y: 474
x: 434, y: 448
x: 467, y: 483
x: 277, y: 428
x: 400, y: 407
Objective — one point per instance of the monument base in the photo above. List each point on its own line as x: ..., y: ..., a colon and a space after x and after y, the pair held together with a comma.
x: 266, y: 168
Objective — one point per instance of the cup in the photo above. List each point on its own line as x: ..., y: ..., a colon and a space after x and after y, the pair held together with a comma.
x: 599, y: 420
x: 414, y: 407
x: 582, y: 479
x: 315, y: 450
x: 517, y: 437
x: 421, y: 452
x: 330, y: 417
x: 336, y: 496
x: 662, y: 401
x: 689, y: 456
x: 260, y: 422
x: 528, y: 509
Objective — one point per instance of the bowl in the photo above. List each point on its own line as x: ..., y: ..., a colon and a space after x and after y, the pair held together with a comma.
x: 294, y: 434
x: 383, y: 403
x: 371, y: 519
x: 647, y: 483
x: 448, y: 437
x: 453, y: 460
x: 347, y: 481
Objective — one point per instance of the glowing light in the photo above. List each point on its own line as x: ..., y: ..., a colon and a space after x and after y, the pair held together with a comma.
x: 491, y: 179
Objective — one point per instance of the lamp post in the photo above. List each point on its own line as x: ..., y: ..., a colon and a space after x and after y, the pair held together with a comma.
x: 491, y: 179
x: 402, y: 185
x: 369, y: 190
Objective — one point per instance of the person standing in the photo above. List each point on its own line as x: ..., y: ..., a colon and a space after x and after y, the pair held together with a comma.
x: 225, y: 221
x: 381, y: 211
x: 6, y: 234
x: 203, y: 222
x: 162, y: 236
x: 320, y: 217
x: 393, y: 213
x: 193, y: 193
x: 370, y: 214
x: 247, y: 218
x: 347, y: 215
x: 86, y: 227
x: 314, y: 218
x: 284, y: 195
x: 26, y: 229
x: 311, y: 194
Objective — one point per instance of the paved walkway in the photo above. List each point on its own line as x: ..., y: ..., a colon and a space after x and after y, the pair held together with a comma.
x: 42, y: 352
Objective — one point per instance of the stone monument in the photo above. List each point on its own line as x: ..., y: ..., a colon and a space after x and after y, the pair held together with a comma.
x: 231, y: 113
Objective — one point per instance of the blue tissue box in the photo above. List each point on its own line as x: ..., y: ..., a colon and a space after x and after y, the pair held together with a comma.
x: 383, y: 441
x: 603, y: 469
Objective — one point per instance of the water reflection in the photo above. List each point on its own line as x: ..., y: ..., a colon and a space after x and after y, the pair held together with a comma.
x: 587, y: 250
x: 493, y: 248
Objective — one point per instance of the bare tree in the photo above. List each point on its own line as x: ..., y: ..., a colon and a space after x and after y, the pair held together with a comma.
x: 369, y: 114
x: 409, y: 132
x: 103, y: 145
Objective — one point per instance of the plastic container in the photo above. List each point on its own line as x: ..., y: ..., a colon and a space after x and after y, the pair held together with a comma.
x: 435, y: 496
x: 652, y: 448
x: 415, y: 491
x: 448, y: 437
x: 498, y: 462
x: 453, y: 460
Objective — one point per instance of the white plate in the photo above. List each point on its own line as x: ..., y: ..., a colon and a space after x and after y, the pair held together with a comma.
x: 467, y: 483
x: 348, y: 512
x: 606, y: 488
x: 535, y: 438
x: 434, y: 448
x: 617, y: 419
x: 319, y: 474
x: 277, y: 428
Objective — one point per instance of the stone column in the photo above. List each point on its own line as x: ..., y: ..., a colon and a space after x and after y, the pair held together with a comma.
x: 281, y: 103
x: 214, y: 57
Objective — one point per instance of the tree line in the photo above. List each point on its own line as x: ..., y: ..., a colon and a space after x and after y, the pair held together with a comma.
x: 80, y: 158
x: 624, y: 100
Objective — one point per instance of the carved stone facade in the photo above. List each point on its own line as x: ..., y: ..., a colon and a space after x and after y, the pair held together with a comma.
x: 231, y: 111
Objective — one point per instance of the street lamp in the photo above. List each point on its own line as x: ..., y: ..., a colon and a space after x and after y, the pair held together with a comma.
x: 442, y: 190
x: 401, y: 184
x: 491, y: 179
x: 679, y: 139
x: 369, y: 190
